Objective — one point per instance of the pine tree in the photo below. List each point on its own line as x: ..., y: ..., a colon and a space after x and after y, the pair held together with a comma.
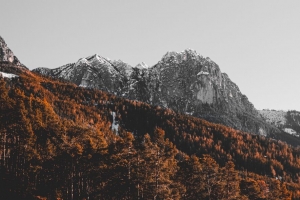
x: 190, y: 175
x: 118, y: 175
x: 274, y: 189
x: 285, y: 194
x: 230, y: 178
x: 251, y: 189
x: 211, y: 177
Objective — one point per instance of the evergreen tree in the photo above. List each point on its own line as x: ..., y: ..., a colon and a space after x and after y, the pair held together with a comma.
x: 190, y: 175
x: 230, y: 178
x: 251, y: 189
x: 285, y: 194
x: 211, y: 177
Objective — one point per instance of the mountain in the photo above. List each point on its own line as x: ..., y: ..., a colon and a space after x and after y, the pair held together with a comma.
x: 287, y: 121
x: 64, y: 141
x: 6, y: 55
x: 183, y: 81
x: 61, y: 141
x: 142, y: 65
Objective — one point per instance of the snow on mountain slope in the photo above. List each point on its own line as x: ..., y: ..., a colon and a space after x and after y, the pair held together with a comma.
x: 7, y: 75
x: 290, y: 131
x: 142, y: 65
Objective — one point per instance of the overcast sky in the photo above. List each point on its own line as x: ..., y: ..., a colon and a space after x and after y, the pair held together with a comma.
x: 257, y: 43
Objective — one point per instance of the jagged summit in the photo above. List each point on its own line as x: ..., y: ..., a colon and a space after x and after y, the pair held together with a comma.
x: 188, y: 55
x: 183, y: 55
x: 142, y: 65
x: 96, y: 58
x: 91, y: 60
x: 6, y: 55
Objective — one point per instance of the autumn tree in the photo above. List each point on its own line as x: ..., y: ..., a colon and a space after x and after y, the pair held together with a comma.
x: 211, y: 177
x: 230, y: 179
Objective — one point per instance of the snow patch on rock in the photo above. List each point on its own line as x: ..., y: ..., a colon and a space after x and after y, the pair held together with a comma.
x: 8, y: 75
x: 262, y: 132
x: 114, y: 125
x: 290, y: 131
x: 202, y: 72
x: 142, y: 65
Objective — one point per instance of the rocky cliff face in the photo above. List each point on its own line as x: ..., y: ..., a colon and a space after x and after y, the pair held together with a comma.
x: 189, y: 83
x: 186, y: 82
x: 6, y: 55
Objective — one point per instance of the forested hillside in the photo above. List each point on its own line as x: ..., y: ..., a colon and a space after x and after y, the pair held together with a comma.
x: 59, y: 141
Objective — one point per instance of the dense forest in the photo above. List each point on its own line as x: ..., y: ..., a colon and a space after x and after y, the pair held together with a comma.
x: 59, y: 141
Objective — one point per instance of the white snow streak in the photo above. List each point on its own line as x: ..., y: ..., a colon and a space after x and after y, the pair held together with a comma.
x: 8, y: 75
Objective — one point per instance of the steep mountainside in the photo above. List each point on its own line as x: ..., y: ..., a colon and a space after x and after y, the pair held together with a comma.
x: 288, y: 121
x: 185, y: 82
x: 193, y: 84
x: 6, y: 55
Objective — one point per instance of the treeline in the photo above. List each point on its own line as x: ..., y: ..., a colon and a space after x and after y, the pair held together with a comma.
x: 56, y: 143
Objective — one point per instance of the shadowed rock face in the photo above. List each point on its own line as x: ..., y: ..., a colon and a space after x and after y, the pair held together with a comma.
x: 185, y: 82
x: 6, y: 55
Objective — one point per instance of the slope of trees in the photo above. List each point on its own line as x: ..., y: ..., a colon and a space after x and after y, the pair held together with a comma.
x: 57, y: 142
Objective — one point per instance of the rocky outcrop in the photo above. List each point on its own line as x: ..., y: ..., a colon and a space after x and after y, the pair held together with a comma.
x: 7, y: 56
x: 183, y: 81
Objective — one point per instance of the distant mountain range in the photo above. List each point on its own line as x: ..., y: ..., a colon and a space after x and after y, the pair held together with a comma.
x: 183, y: 81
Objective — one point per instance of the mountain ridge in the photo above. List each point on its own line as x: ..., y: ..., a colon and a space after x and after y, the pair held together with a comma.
x: 61, y: 141
x: 183, y: 81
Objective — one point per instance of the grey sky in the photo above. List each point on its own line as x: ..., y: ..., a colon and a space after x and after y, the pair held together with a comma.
x: 257, y: 43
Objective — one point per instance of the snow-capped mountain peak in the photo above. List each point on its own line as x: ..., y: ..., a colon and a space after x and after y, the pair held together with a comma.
x: 96, y: 59
x: 142, y: 65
